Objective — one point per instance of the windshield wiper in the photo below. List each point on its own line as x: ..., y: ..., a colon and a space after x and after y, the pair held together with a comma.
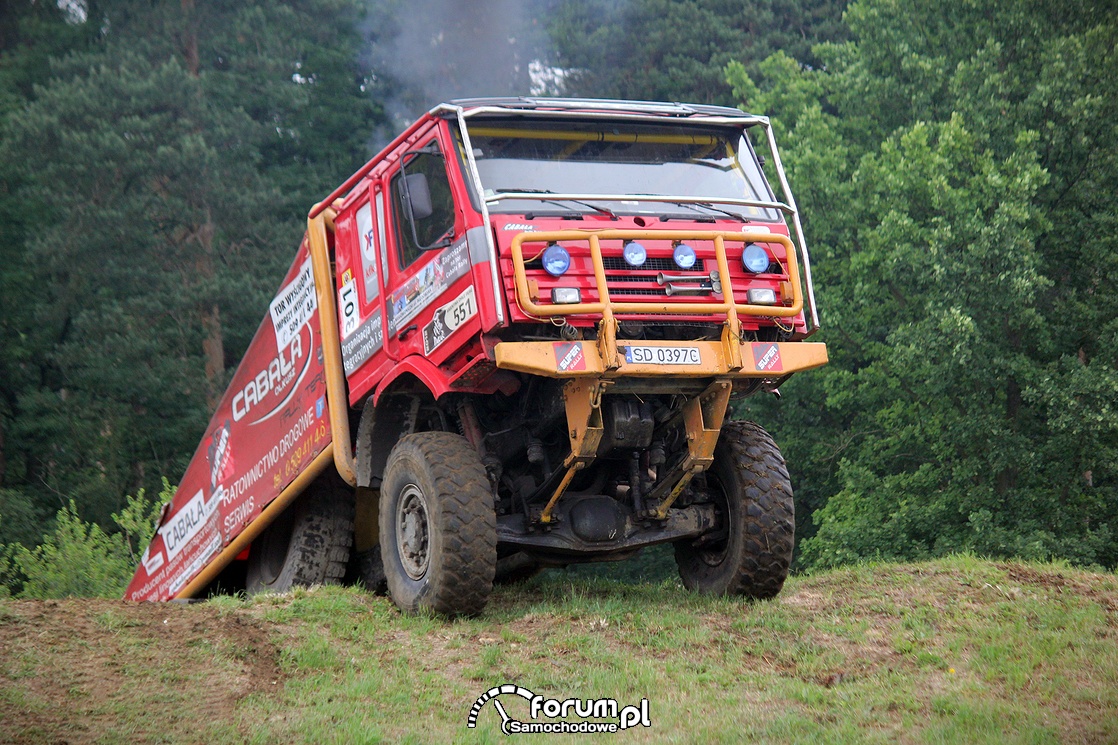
x: 694, y: 206
x: 596, y: 207
x: 712, y: 208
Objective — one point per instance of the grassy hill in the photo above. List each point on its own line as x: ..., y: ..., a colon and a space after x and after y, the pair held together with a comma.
x: 960, y: 650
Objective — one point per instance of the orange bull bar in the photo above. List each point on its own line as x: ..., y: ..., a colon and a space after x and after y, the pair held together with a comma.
x: 729, y: 357
x: 606, y: 306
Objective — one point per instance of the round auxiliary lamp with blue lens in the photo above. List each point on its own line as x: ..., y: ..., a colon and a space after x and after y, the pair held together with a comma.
x: 755, y: 259
x: 556, y: 260
x: 635, y: 254
x: 684, y: 256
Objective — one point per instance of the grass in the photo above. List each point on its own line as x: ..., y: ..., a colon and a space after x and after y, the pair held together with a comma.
x: 959, y: 650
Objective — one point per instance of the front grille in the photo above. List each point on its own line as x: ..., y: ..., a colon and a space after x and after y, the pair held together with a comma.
x: 610, y: 278
x: 617, y: 263
x: 652, y: 291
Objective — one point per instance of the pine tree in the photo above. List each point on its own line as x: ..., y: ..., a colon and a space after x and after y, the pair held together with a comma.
x: 177, y: 153
x: 677, y: 50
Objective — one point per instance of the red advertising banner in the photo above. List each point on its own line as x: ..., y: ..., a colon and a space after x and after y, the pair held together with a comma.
x: 270, y: 424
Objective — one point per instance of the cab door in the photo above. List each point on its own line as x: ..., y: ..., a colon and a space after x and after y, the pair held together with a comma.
x: 431, y: 302
x: 360, y: 230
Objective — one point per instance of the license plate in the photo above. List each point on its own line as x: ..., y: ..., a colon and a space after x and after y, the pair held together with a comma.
x: 663, y: 356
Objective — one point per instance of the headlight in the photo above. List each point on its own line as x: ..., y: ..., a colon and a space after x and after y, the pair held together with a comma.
x: 761, y: 296
x: 754, y: 258
x: 684, y: 256
x: 565, y: 295
x: 634, y: 253
x: 556, y: 260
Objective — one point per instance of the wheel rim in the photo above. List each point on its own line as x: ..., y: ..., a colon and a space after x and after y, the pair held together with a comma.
x: 413, y: 532
x: 716, y: 553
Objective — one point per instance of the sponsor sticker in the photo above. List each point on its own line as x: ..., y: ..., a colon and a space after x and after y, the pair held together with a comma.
x: 191, y: 569
x: 220, y: 455
x: 294, y: 306
x: 187, y: 523
x: 421, y: 290
x: 569, y: 356
x: 448, y: 319
x: 347, y: 306
x: 365, y: 235
x: 279, y: 378
x: 767, y: 357
x: 363, y: 343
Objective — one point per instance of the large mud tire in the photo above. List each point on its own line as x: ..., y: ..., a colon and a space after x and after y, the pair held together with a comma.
x: 438, y: 528
x: 755, y: 502
x: 308, y: 544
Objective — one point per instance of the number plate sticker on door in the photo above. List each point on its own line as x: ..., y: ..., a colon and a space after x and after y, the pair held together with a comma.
x: 448, y: 319
x: 347, y: 305
x: 663, y: 356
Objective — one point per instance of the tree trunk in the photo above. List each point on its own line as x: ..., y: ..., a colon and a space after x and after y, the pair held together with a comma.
x: 189, y: 38
x: 209, y: 314
x: 1007, y: 477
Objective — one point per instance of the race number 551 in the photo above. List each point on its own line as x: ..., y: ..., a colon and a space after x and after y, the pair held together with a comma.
x: 448, y: 319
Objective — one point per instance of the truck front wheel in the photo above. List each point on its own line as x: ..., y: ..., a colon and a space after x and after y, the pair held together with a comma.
x: 438, y: 528
x: 752, y: 551
x: 308, y: 544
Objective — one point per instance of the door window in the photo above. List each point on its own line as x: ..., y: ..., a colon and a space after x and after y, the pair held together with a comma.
x: 422, y: 203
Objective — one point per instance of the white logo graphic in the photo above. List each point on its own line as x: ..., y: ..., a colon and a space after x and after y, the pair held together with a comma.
x: 615, y: 718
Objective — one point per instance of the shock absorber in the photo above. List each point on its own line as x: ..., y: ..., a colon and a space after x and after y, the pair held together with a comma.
x: 635, y: 482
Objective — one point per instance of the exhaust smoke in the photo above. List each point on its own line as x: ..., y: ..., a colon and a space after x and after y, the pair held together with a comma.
x: 438, y: 50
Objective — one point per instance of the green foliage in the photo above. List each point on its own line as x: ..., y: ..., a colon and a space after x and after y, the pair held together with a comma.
x: 21, y: 520
x: 675, y: 50
x: 139, y: 518
x: 79, y: 559
x: 176, y: 153
x: 956, y: 168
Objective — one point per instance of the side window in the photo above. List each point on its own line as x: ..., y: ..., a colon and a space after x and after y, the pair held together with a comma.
x: 429, y: 223
x: 380, y: 236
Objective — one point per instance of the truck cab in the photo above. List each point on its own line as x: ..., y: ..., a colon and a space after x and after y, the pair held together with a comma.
x: 560, y: 282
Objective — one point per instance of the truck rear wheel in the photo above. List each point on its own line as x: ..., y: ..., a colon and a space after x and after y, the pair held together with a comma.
x: 308, y: 544
x: 754, y: 497
x: 438, y: 528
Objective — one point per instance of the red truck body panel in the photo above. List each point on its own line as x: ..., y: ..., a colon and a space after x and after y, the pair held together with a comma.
x: 272, y: 421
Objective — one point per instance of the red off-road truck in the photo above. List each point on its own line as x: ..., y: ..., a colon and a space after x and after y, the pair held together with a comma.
x: 511, y: 341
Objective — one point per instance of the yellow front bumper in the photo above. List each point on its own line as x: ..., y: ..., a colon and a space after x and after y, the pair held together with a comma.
x: 583, y: 359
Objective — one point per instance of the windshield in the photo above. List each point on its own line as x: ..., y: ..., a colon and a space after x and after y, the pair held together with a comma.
x: 703, y: 167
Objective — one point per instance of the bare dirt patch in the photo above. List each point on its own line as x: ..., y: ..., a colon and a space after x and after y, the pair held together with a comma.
x: 84, y: 670
x: 1101, y: 589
